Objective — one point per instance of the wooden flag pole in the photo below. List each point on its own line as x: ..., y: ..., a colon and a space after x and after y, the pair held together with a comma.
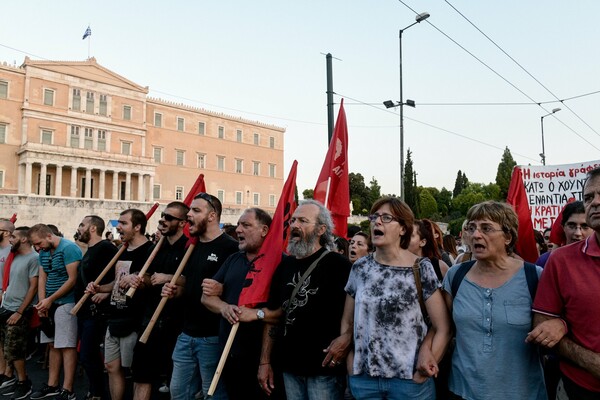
x: 99, y: 278
x: 223, y: 359
x: 164, y: 300
x: 142, y: 272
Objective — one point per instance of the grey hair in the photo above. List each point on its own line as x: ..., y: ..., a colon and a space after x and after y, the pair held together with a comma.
x: 323, y: 218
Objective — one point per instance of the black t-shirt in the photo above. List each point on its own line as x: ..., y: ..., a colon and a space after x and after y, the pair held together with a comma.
x: 313, y: 320
x: 205, y: 261
x: 95, y: 259
x: 126, y: 313
x: 248, y: 340
x: 165, y: 261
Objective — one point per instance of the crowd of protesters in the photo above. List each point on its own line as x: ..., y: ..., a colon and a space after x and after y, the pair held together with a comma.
x: 400, y: 312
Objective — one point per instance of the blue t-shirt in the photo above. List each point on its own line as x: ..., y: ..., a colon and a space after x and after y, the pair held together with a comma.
x: 54, y: 265
x: 491, y: 360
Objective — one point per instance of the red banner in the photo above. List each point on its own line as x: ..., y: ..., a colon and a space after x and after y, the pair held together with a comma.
x: 517, y: 197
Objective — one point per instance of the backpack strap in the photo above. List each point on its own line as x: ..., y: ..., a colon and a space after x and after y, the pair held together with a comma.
x: 458, y: 277
x: 532, y: 278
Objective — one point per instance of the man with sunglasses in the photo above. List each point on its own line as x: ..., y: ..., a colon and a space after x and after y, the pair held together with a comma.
x: 197, y: 351
x: 153, y: 359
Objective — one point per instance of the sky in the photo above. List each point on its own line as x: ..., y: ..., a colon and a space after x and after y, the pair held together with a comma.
x: 265, y: 61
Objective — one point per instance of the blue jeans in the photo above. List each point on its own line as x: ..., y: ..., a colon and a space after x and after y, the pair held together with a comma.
x: 365, y: 387
x: 194, y: 363
x: 91, y: 335
x: 321, y: 387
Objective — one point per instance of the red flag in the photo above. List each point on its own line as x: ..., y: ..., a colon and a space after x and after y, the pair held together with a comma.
x: 333, y: 189
x: 198, y: 187
x: 557, y: 233
x: 6, y: 272
x: 517, y: 197
x: 258, y: 279
x: 13, y: 219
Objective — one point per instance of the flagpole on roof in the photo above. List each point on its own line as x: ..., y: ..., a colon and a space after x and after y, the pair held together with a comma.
x: 89, y: 42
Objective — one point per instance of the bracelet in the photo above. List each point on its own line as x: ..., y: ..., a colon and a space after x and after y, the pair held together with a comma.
x: 19, y: 313
x: 264, y: 364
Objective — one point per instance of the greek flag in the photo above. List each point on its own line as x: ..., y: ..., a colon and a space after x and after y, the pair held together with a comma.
x: 88, y: 32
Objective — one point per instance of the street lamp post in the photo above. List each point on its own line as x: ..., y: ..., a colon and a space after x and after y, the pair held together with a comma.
x: 420, y: 17
x: 543, y: 153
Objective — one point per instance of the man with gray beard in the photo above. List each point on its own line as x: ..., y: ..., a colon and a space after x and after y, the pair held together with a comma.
x: 308, y: 293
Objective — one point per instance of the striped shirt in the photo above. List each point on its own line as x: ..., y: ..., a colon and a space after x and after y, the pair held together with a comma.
x: 54, y: 265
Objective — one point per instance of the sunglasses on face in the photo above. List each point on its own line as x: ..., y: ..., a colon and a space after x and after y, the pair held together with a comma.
x: 169, y: 217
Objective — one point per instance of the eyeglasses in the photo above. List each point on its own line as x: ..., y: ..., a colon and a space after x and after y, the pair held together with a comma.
x: 206, y: 197
x: 385, y: 218
x: 169, y: 217
x: 572, y: 226
x: 486, y: 229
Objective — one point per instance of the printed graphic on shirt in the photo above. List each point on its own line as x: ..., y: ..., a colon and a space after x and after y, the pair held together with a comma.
x: 300, y: 300
x: 118, y: 296
x: 213, y: 257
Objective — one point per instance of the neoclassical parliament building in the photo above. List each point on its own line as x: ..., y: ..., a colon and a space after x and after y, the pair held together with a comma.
x: 77, y: 138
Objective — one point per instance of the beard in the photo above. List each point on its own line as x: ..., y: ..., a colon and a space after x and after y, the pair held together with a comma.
x: 305, y: 246
x: 84, y: 237
x: 200, y: 228
x: 15, y: 247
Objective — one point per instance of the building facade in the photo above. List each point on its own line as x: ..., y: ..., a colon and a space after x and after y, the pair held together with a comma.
x: 75, y: 134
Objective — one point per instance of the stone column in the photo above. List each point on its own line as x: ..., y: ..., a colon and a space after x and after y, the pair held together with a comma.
x: 140, y: 193
x: 58, y: 181
x: 28, y: 172
x: 151, y: 188
x: 115, y: 193
x: 102, y: 184
x: 73, y: 191
x: 43, y: 173
x: 88, y: 183
x: 128, y: 186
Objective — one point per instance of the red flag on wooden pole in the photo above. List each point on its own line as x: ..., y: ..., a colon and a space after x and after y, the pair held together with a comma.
x: 258, y: 279
x: 333, y: 188
x: 198, y: 187
x: 517, y: 197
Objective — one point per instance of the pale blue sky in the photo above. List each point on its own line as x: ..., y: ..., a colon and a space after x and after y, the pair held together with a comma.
x: 262, y: 60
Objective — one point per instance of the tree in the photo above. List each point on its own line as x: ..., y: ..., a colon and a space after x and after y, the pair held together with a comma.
x: 428, y: 205
x: 444, y: 201
x: 308, y: 194
x: 460, y: 183
x: 474, y: 193
x: 359, y: 194
x: 374, y: 191
x: 410, y: 190
x: 504, y: 173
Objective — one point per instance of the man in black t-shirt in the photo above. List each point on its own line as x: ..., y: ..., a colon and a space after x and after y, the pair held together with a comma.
x: 310, y: 320
x: 197, y: 351
x: 125, y: 315
x: 91, y: 318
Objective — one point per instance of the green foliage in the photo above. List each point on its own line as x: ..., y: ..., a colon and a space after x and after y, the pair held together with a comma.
x: 475, y: 193
x: 308, y: 194
x: 428, y: 205
x: 365, y: 226
x: 460, y: 183
x: 504, y: 173
x: 361, y: 196
x: 410, y: 190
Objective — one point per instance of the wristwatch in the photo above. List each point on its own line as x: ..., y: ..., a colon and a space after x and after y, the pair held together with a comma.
x: 260, y: 314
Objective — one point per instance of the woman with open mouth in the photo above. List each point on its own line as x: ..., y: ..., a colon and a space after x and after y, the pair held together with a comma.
x: 384, y: 314
x: 490, y: 300
x: 360, y: 246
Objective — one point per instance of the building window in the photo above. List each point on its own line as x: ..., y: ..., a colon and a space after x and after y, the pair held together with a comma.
x: 1, y: 179
x: 255, y: 168
x: 76, y: 105
x: 126, y: 148
x: 180, y: 157
x: 238, y: 135
x: 103, y: 108
x: 238, y: 198
x: 46, y: 136
x: 127, y: 113
x: 202, y: 161
x: 180, y: 124
x: 221, y: 132
x: 89, y: 103
x: 179, y: 193
x: 156, y: 191
x: 272, y: 142
x: 221, y: 163
x: 3, y: 90
x: 239, y: 166
x: 256, y: 139
x: 271, y: 200
x: 271, y: 170
x: 221, y: 196
x: 2, y: 133
x: 201, y: 128
x: 75, y: 136
x: 157, y: 155
x: 101, y: 140
x: 158, y: 120
x: 88, y: 142
x: 48, y: 97
x: 256, y: 199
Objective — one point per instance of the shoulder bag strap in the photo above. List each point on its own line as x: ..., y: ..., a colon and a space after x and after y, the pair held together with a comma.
x: 458, y: 277
x: 417, y: 273
x: 532, y: 278
x: 305, y: 275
